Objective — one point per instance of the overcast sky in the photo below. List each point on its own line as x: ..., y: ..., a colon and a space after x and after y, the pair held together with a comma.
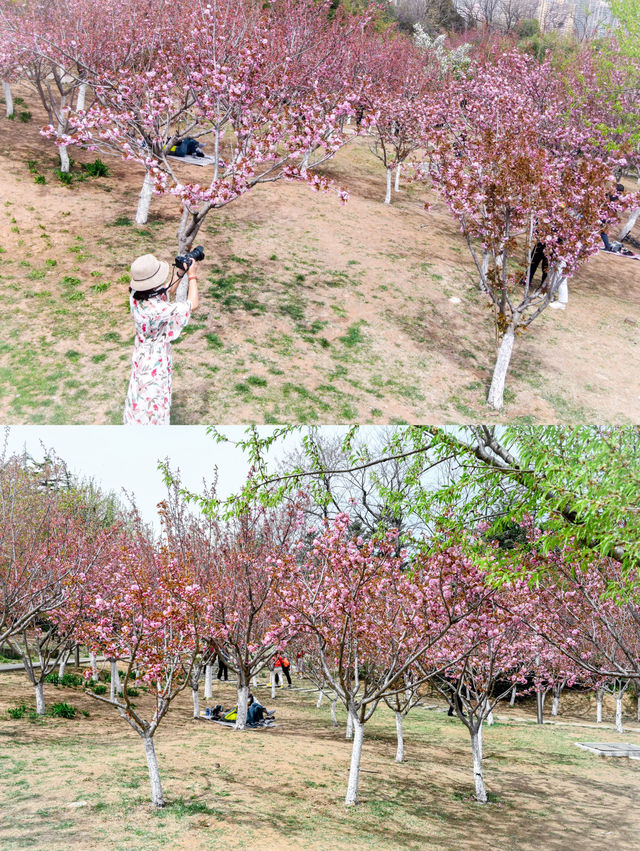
x: 116, y: 457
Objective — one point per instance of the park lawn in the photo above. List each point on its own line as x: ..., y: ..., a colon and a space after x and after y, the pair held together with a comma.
x: 310, y: 311
x: 283, y: 788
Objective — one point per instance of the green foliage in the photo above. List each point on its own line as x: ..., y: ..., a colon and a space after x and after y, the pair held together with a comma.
x: 71, y: 680
x: 63, y: 710
x: 17, y: 712
x: 96, y: 168
x: 40, y: 179
x: 25, y: 116
x: 65, y: 177
x: 97, y: 688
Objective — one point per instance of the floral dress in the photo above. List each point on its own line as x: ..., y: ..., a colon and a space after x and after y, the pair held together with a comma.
x: 158, y: 323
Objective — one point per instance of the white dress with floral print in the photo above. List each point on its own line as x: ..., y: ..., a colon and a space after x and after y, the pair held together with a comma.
x: 158, y: 323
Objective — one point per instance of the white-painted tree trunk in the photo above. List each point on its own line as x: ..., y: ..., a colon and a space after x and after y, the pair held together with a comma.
x: 82, y: 97
x: 349, y: 733
x: 354, y: 770
x: 94, y: 666
x: 599, y: 706
x: 208, y: 682
x: 65, y: 163
x: 476, y: 748
x: 154, y: 772
x: 490, y: 718
x: 619, y: 713
x: 629, y: 225
x: 64, y: 657
x: 144, y: 200
x: 333, y: 712
x: 495, y: 399
x: 40, y: 698
x: 273, y: 685
x: 8, y: 97
x: 563, y: 291
x: 512, y: 699
x: 387, y: 197
x: 397, y: 183
x: 196, y: 702
x: 639, y: 707
x: 555, y: 704
x: 320, y: 698
x: 62, y: 149
x: 254, y: 681
x: 243, y: 705
x: 116, y: 687
x: 400, y: 737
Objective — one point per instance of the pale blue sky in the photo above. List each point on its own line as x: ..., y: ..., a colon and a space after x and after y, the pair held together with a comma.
x: 117, y: 457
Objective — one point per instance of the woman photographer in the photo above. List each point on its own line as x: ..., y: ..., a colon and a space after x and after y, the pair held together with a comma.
x: 158, y: 322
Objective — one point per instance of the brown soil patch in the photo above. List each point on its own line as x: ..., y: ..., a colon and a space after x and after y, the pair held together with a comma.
x: 310, y: 311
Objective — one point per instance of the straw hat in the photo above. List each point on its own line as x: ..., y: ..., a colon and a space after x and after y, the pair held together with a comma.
x: 147, y: 273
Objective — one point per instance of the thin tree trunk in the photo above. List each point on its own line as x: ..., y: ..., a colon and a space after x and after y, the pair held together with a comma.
x: 555, y: 704
x: 254, y: 681
x: 495, y: 399
x: 639, y: 707
x: 64, y: 657
x: 512, y: 699
x: 82, y: 97
x: 208, y: 682
x: 599, y: 706
x: 62, y: 149
x: 273, y: 685
x: 6, y: 90
x: 116, y: 688
x: 196, y: 702
x: 154, y: 773
x: 400, y: 737
x: 320, y: 698
x: 629, y: 224
x: 349, y: 733
x: 539, y: 707
x: 619, y: 713
x: 144, y: 200
x: 476, y: 748
x: 354, y: 771
x: 39, y: 698
x: 243, y: 705
x: 333, y: 712
x: 387, y: 197
x: 94, y: 666
x: 397, y: 183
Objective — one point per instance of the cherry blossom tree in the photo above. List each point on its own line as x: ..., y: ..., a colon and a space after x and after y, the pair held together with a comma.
x: 260, y: 81
x: 404, y: 82
x: 370, y: 619
x: 529, y: 179
x: 148, y: 616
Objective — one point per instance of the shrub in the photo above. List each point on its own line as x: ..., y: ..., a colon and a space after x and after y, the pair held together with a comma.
x: 40, y: 179
x: 97, y: 168
x: 17, y: 711
x: 63, y: 710
x: 52, y: 678
x: 65, y: 177
x: 132, y: 691
x: 25, y: 116
x: 71, y: 680
x: 98, y: 688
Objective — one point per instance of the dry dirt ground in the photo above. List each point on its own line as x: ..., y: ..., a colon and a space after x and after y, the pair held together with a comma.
x: 311, y: 312
x: 77, y: 784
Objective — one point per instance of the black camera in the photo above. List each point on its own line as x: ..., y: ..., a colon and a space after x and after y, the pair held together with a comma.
x: 183, y: 261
